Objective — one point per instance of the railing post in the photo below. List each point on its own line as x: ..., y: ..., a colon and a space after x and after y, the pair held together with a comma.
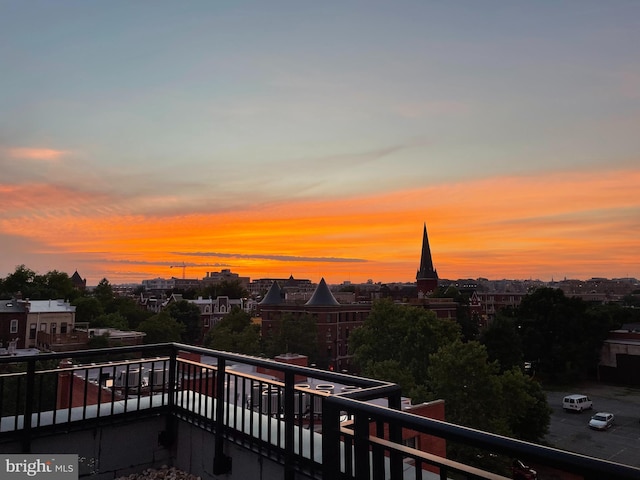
x: 221, y: 462
x: 173, y: 367
x: 28, y: 405
x: 330, y: 440
x: 289, y: 421
x: 361, y: 446
x: 168, y: 436
x: 395, y: 436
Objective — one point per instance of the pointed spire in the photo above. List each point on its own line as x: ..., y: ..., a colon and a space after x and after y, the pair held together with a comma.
x: 426, y: 262
x: 322, y: 296
x: 427, y: 276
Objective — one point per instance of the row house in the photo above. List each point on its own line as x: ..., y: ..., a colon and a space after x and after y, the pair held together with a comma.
x: 47, y: 320
x: 13, y: 323
x: 212, y: 310
x: 35, y: 323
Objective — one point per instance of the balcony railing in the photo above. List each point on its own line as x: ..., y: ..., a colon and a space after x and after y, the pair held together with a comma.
x: 316, y: 424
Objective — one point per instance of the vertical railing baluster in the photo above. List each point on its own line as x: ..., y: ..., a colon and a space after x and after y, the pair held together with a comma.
x: 99, y: 398
x: 395, y: 436
x: 40, y: 393
x: 28, y: 406
x: 56, y: 385
x: 85, y: 393
x: 289, y: 421
x: 71, y: 382
x: 377, y: 453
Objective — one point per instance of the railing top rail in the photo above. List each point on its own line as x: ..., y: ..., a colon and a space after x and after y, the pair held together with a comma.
x: 168, y: 348
x: 285, y: 367
x: 487, y: 441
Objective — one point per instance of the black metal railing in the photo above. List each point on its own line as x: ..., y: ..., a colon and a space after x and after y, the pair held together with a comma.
x: 317, y: 424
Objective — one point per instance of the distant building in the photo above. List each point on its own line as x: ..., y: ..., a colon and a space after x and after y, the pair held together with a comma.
x: 159, y: 284
x: 79, y: 283
x: 291, y: 286
x: 47, y: 318
x: 334, y: 321
x: 212, y: 310
x: 13, y: 323
x: 225, y: 275
x: 620, y: 356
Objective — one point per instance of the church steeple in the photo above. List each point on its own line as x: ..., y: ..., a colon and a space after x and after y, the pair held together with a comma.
x: 427, y: 276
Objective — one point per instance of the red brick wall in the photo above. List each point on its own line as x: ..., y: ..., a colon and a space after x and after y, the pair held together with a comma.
x: 426, y: 443
x: 68, y: 396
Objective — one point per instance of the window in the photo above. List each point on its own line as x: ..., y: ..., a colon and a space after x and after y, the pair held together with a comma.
x: 43, y: 327
x: 54, y: 327
x: 63, y: 327
x: 14, y: 326
x: 32, y: 331
x: 410, y: 442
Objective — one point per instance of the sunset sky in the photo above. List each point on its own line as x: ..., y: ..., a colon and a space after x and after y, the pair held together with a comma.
x: 315, y: 139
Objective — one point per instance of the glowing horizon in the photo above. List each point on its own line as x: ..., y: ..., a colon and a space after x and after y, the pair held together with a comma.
x: 570, y: 225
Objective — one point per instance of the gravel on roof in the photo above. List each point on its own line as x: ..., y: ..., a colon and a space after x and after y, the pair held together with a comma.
x: 163, y: 473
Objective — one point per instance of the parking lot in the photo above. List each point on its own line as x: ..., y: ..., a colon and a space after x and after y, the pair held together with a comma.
x: 620, y: 443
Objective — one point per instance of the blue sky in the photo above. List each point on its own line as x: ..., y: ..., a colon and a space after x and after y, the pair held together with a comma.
x: 157, y: 110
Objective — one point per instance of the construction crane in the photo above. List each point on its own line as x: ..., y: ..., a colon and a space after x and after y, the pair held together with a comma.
x: 183, y: 267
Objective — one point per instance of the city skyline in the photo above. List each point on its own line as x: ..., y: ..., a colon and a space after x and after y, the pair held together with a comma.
x: 316, y: 140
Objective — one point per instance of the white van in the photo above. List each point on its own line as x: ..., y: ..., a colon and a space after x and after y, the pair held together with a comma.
x: 576, y: 403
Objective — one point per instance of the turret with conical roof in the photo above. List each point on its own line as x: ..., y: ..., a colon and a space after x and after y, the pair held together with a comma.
x: 322, y: 296
x: 273, y: 296
x: 427, y: 276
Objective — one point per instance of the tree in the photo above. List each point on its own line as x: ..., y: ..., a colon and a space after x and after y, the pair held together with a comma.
x: 525, y: 404
x: 87, y: 309
x: 503, y: 343
x: 103, y: 292
x: 129, y: 309
x: 403, y: 334
x: 235, y: 333
x: 55, y: 284
x: 110, y: 320
x: 161, y: 328
x: 563, y: 334
x: 20, y: 281
x: 99, y: 341
x: 187, y: 314
x: 461, y: 375
x: 226, y: 288
x: 477, y: 396
x: 293, y: 334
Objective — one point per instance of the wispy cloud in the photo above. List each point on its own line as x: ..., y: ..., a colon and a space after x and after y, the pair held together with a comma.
x: 279, y: 258
x: 41, y: 154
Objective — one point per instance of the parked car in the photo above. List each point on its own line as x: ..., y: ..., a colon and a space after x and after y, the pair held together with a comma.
x: 601, y: 421
x: 576, y: 403
x: 521, y: 471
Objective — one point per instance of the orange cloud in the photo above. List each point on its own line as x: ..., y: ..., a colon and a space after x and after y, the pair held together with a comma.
x: 46, y: 154
x: 575, y: 224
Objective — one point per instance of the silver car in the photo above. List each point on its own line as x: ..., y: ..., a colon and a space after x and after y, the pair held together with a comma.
x: 601, y: 421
